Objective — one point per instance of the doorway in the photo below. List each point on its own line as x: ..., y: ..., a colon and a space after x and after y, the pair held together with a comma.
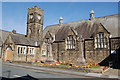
x: 8, y: 54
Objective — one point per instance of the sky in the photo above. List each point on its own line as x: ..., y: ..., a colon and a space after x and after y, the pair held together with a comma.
x: 14, y: 14
x: 60, y: 0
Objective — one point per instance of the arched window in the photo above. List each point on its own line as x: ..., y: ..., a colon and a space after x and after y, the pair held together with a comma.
x: 39, y: 17
x: 31, y: 16
x: 8, y: 48
x: 70, y: 42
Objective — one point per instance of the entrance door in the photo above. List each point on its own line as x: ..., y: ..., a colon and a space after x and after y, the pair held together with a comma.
x: 8, y: 55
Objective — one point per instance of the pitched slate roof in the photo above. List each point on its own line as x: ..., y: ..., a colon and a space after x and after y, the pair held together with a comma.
x: 17, y: 38
x: 52, y: 29
x: 85, y: 27
x: 110, y: 23
x: 22, y: 40
x: 3, y: 36
x: 62, y: 33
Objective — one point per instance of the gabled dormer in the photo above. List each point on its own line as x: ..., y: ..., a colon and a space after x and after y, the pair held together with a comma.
x: 71, y: 39
x: 48, y: 37
x: 9, y: 42
x: 101, y: 37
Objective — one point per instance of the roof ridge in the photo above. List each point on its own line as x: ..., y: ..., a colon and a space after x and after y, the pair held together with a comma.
x: 81, y: 20
x: 11, y: 32
x: 4, y: 30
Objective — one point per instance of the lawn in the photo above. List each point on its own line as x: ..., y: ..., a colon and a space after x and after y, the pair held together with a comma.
x: 95, y: 66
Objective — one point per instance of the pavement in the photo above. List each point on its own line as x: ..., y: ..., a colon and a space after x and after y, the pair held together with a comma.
x: 106, y: 74
x: 112, y: 73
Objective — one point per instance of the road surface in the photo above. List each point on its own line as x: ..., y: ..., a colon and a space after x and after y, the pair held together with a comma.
x: 12, y: 72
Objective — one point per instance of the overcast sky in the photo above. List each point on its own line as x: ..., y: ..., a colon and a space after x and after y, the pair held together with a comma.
x: 14, y: 14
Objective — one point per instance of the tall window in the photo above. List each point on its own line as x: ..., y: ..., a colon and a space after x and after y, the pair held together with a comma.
x: 18, y: 50
x: 101, y: 41
x: 31, y: 16
x: 24, y: 50
x: 21, y: 50
x: 30, y: 51
x: 70, y: 42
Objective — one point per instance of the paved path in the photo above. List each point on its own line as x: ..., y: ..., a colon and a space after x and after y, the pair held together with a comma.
x: 112, y: 72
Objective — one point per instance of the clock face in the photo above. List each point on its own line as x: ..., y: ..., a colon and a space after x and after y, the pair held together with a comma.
x: 39, y: 17
x: 31, y: 16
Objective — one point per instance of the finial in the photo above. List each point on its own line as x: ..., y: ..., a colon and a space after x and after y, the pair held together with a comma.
x: 91, y: 12
x: 92, y: 15
x: 60, y: 20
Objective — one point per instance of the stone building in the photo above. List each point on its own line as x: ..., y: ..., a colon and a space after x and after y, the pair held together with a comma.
x: 17, y: 47
x: 75, y: 43
x: 3, y: 37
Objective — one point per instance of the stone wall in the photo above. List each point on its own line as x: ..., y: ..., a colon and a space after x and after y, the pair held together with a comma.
x: 95, y: 55
x: 26, y: 55
x: 60, y: 53
x: 21, y: 56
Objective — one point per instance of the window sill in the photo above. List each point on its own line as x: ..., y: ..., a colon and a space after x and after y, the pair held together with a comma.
x: 100, y: 48
x: 30, y: 54
x: 70, y: 49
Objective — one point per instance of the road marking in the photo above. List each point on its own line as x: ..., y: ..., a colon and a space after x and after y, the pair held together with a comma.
x: 16, y: 75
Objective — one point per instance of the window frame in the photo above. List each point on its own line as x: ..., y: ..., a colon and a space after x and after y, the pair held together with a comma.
x: 70, y: 44
x: 101, y: 42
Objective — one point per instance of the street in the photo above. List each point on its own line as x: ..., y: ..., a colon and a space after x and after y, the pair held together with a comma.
x: 12, y: 72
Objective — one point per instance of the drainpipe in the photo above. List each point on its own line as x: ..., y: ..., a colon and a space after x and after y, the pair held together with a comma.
x: 58, y: 53
x: 47, y: 52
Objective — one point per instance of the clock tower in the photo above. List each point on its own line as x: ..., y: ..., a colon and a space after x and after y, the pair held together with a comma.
x: 35, y: 23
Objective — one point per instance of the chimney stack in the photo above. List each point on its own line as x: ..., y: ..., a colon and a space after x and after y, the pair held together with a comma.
x: 92, y: 15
